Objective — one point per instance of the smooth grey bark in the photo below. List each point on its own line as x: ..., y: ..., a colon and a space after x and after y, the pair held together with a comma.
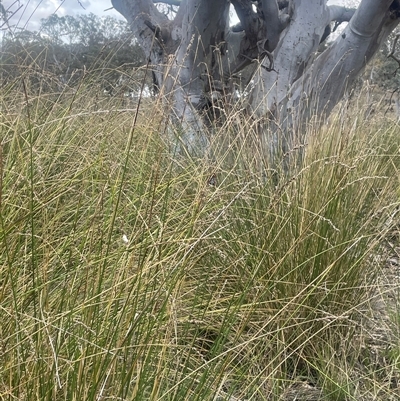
x: 308, y: 85
x: 336, y: 69
x: 186, y: 56
x: 196, y: 56
x: 149, y: 27
x: 291, y: 56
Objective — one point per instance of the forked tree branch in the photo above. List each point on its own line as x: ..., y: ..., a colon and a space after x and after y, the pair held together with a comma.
x: 270, y: 13
x: 141, y: 9
x: 338, y: 14
x: 255, y: 34
x: 341, y: 14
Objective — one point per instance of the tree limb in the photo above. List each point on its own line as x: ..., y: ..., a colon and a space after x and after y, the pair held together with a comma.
x: 368, y: 17
x: 250, y: 21
x: 270, y: 13
x: 255, y: 31
x: 294, y: 52
x: 181, y: 12
x: 345, y: 58
x: 169, y: 2
x: 141, y: 9
x: 338, y: 14
x: 151, y: 29
x: 341, y: 14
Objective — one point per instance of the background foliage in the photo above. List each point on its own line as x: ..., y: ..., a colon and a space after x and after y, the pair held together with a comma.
x: 59, y: 54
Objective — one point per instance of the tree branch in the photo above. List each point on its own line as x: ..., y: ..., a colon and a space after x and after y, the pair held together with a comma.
x: 169, y: 2
x: 255, y: 36
x: 146, y: 22
x: 142, y: 9
x: 181, y: 12
x: 270, y: 13
x: 151, y: 29
x: 249, y: 19
x: 338, y: 14
x: 345, y: 58
x: 368, y: 17
x: 292, y: 55
x: 202, y: 49
x: 341, y: 14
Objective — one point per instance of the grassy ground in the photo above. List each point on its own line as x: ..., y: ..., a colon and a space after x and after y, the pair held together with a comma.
x: 130, y: 274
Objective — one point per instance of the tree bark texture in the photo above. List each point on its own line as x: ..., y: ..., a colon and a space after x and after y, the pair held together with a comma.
x: 197, y: 56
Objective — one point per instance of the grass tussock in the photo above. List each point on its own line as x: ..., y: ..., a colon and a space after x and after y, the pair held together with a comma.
x: 130, y: 274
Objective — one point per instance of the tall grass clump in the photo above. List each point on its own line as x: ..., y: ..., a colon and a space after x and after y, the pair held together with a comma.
x: 128, y: 273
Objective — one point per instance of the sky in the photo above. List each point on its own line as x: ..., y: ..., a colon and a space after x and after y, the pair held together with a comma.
x: 30, y: 12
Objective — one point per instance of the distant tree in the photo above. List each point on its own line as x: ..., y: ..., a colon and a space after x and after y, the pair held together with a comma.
x: 25, y: 55
x: 385, y: 71
x: 66, y: 46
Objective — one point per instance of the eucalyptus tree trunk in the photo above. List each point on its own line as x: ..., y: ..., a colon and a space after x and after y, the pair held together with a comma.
x: 308, y: 84
x: 186, y: 56
x: 196, y: 56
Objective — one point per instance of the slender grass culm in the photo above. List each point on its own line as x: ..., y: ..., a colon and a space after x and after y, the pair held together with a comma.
x: 128, y: 274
